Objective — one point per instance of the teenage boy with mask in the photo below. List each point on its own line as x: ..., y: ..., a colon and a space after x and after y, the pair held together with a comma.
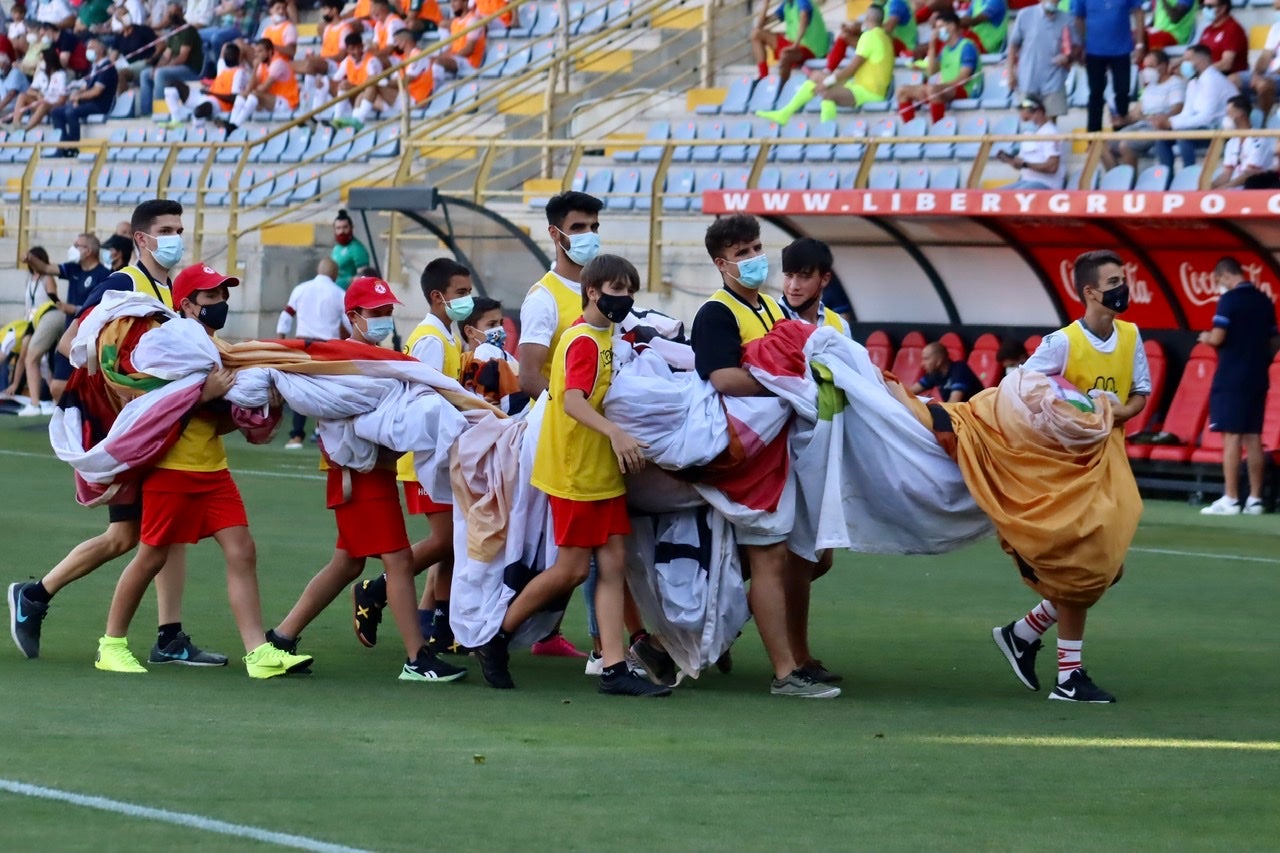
x: 366, y: 507
x: 579, y: 464
x: 190, y: 496
x: 157, y: 235
x: 1099, y: 354
x: 447, y: 286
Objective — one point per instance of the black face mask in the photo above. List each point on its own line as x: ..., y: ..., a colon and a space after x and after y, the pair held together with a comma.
x: 328, y: 19
x: 803, y: 306
x: 615, y: 308
x: 1117, y: 298
x: 214, y: 316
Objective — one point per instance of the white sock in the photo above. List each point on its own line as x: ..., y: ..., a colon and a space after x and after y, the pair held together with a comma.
x: 1068, y: 658
x: 243, y: 110
x: 1041, y: 618
x: 362, y: 111
x: 177, y: 111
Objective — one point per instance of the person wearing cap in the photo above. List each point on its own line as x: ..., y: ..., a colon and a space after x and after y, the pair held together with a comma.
x: 1042, y: 162
x: 190, y: 495
x: 366, y: 507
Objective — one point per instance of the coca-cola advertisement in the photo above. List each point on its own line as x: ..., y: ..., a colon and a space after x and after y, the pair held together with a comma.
x: 1190, y: 273
x: 1147, y: 305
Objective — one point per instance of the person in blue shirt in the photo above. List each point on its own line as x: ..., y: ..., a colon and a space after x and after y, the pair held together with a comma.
x: 955, y: 381
x: 95, y: 95
x: 1114, y: 34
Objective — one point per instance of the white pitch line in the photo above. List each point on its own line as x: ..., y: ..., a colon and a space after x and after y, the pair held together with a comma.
x: 1173, y: 553
x: 191, y: 821
x: 250, y: 472
x: 1115, y: 743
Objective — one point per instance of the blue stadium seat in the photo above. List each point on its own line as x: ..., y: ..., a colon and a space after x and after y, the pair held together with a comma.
x: 941, y: 150
x: 736, y: 153
x: 659, y: 131
x: 851, y: 152
x: 180, y: 181
x: 849, y: 179
x: 526, y: 19
x: 792, y: 152
x: 495, y: 59
x: 795, y: 179
x: 600, y: 183
x: 121, y: 109
x: 1118, y: 178
x: 321, y: 138
x: 140, y: 183
x: 914, y: 178
x: 548, y: 20
x: 789, y: 89
x: 129, y: 151
x: 737, y: 178
x: 911, y: 150
x: 1153, y: 178
x: 516, y: 62
x: 41, y: 180
x: 1187, y: 179
x: 770, y: 178
x: 620, y: 10
x: 295, y: 146
x: 308, y: 188
x: 232, y: 154
x: 678, y: 191
x: 283, y: 189
x: 624, y: 182
x: 708, y: 153
x: 765, y: 95
x: 683, y: 131
x: 59, y: 180
x: 219, y: 186
x: 387, y: 144
x: 593, y: 21
x: 644, y: 197
x: 270, y: 151
x: 50, y: 136
x: 464, y: 100
x: 885, y: 128
x: 440, y: 103
x: 970, y: 125
x: 115, y: 143
x: 252, y: 195
x: 883, y: 178
x: 995, y: 89
x: 9, y: 155
x: 945, y: 178
x: 703, y: 180
x: 824, y: 179
x: 341, y: 146
x: 112, y: 181
x: 735, y: 100
x: 542, y: 51
x: 822, y: 152
x: 77, y: 186
x: 579, y: 182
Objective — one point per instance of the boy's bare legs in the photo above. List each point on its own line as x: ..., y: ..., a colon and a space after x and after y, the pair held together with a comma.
x: 133, y: 583
x: 611, y: 596
x: 798, y: 579
x: 169, y: 585
x: 242, y: 583
x: 320, y: 592
x: 569, y: 571
x: 767, y: 596
x: 402, y: 599
x: 1071, y: 621
x: 118, y: 539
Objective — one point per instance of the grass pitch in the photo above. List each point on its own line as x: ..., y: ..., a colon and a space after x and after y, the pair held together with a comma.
x: 933, y: 745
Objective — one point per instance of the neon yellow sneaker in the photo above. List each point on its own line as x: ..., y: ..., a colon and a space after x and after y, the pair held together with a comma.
x: 114, y: 656
x: 266, y: 661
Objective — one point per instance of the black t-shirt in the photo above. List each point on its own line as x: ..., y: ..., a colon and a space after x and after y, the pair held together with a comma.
x: 959, y: 377
x: 1249, y: 319
x: 715, y: 338
x: 116, y: 281
x: 82, y: 282
x: 106, y: 74
x: 135, y: 41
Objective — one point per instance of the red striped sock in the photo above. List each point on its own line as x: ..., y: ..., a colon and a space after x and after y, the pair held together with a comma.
x: 1039, y: 619
x: 1068, y: 658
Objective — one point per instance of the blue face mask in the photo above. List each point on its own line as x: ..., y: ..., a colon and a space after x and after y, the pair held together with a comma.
x: 753, y: 272
x: 496, y: 336
x: 168, y: 251
x: 1188, y: 70
x: 378, y: 329
x: 583, y: 247
x: 460, y: 309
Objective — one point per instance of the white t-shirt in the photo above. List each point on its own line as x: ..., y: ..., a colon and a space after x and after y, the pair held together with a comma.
x: 54, y: 11
x: 429, y: 349
x: 1040, y: 151
x: 1242, y: 153
x: 1050, y: 358
x: 488, y: 352
x: 17, y: 30
x: 1273, y: 45
x: 539, y: 314
x: 54, y: 85
x: 1159, y: 99
x: 317, y: 306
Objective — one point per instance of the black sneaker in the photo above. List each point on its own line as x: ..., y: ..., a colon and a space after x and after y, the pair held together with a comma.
x: 627, y: 683
x: 724, y: 663
x: 658, y: 665
x: 368, y: 613
x: 1080, y: 688
x: 495, y: 659
x: 1020, y: 654
x: 819, y: 673
x: 25, y: 618
x: 290, y: 646
x: 427, y: 667
x: 182, y: 651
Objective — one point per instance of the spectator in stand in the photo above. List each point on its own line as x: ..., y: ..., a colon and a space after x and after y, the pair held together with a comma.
x: 317, y: 306
x: 348, y: 252
x: 1225, y: 38
x: 955, y: 380
x: 233, y: 19
x: 987, y: 25
x: 56, y: 12
x: 70, y: 49
x: 953, y: 71
x: 1109, y: 30
x: 864, y: 80
x: 1163, y: 93
x: 44, y: 311
x: 317, y: 68
x: 1243, y: 156
x: 280, y: 31
x: 12, y: 82
x: 274, y: 88
x: 1173, y: 23
x: 181, y: 62
x: 386, y: 23
x: 92, y: 15
x: 1245, y: 335
x: 189, y: 103
x: 1266, y: 70
x: 804, y: 37
x: 1041, y: 45
x: 48, y: 91
x: 896, y: 19
x: 358, y: 67
x: 132, y: 43
x: 94, y: 95
x: 466, y: 53
x: 1041, y: 161
x: 485, y: 8
x: 119, y: 252
x: 1208, y: 91
x: 17, y: 31
x: 83, y: 271
x: 424, y: 15
x: 417, y: 79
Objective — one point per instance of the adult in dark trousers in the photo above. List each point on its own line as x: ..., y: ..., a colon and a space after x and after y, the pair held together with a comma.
x: 96, y: 97
x: 1109, y: 29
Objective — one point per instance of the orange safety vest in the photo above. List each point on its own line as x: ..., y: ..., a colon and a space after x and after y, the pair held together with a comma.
x: 225, y: 84
x: 428, y: 11
x: 485, y: 8
x: 420, y: 87
x: 357, y: 74
x: 331, y: 42
x: 275, y: 33
x: 456, y: 26
x: 382, y: 32
x: 362, y: 8
x: 286, y: 88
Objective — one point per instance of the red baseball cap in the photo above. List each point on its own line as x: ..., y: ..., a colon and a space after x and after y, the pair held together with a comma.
x: 368, y: 292
x: 199, y: 277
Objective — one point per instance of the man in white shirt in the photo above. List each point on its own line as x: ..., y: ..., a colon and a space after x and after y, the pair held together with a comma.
x: 1244, y: 156
x: 1163, y: 93
x: 317, y: 308
x: 1208, y: 91
x: 1041, y: 161
x: 1265, y: 77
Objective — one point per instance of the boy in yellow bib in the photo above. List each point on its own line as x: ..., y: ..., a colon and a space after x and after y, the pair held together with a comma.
x: 1099, y: 354
x: 580, y: 461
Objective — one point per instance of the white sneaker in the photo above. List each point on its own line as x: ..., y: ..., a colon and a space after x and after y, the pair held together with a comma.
x: 47, y: 407
x: 1222, y: 506
x: 1253, y: 506
x: 30, y: 411
x: 595, y: 664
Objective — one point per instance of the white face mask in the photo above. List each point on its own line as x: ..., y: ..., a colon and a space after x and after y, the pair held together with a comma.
x: 944, y: 35
x: 1150, y: 76
x: 1050, y: 8
x: 91, y: 55
x: 1228, y: 123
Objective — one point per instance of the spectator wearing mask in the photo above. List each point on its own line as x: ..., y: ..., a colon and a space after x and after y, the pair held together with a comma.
x: 1041, y: 45
x: 71, y: 52
x: 953, y: 65
x: 386, y: 23
x: 274, y: 88
x: 1173, y: 23
x: 1208, y: 91
x: 12, y: 82
x: 348, y: 252
x: 1244, y: 156
x: 181, y: 62
x: 466, y: 53
x: 280, y: 31
x: 804, y: 37
x: 1225, y: 38
x: 1041, y: 161
x: 48, y: 90
x: 94, y: 95
x: 132, y: 43
x: 987, y: 25
x: 1163, y: 93
x: 1109, y: 30
x: 83, y: 271
x: 955, y: 380
x: 188, y: 103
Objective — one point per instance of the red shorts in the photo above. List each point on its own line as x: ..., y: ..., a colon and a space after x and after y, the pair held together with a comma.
x: 187, y: 506
x: 370, y: 521
x: 588, y: 524
x: 418, y: 502
x: 805, y: 53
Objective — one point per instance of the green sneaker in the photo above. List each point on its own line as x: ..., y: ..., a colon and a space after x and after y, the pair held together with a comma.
x: 172, y: 124
x: 356, y: 124
x: 778, y: 117
x: 114, y: 656
x: 828, y: 112
x: 266, y: 661
x: 340, y: 123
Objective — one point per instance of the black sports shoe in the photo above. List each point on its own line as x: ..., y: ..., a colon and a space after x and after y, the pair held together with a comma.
x: 658, y: 665
x: 427, y: 667
x: 1080, y: 688
x: 1020, y: 654
x: 368, y: 613
x: 25, y: 618
x: 627, y: 683
x: 495, y: 658
x: 819, y: 673
x: 724, y: 663
x: 182, y: 651
x: 290, y: 646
